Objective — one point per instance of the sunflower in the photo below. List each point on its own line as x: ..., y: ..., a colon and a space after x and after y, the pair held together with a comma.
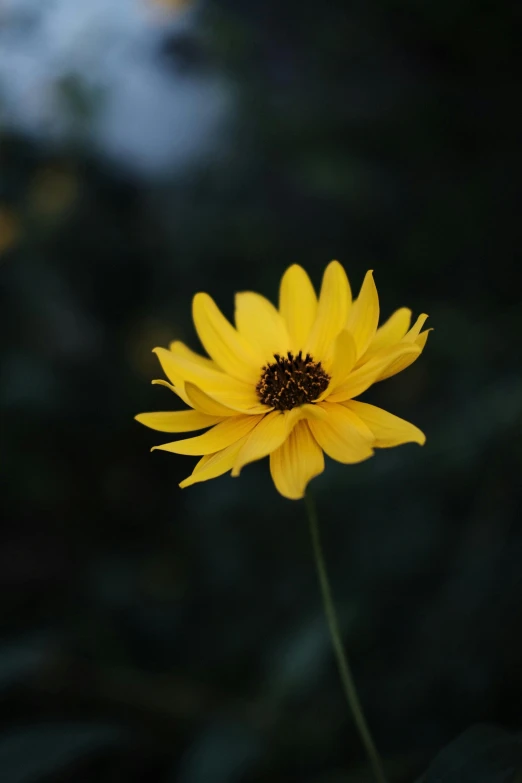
x: 282, y: 382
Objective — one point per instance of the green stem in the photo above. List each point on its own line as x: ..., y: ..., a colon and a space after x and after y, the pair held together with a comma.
x: 342, y: 660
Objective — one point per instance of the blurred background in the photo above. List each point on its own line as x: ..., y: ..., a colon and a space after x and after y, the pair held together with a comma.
x: 149, y: 150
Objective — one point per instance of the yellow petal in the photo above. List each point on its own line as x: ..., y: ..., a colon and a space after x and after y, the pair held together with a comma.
x: 213, y: 465
x: 414, y: 332
x: 363, y: 318
x: 332, y: 410
x: 223, y: 388
x: 343, y: 361
x: 168, y: 366
x: 181, y: 364
x: 161, y: 382
x: 341, y: 437
x: 312, y: 411
x: 259, y: 322
x: 389, y: 430
x: 411, y: 338
x: 223, y: 343
x: 219, y: 437
x: 202, y: 402
x: 177, y: 389
x: 177, y: 421
x: 269, y: 434
x: 392, y: 330
x: 297, y: 305
x: 332, y: 311
x: 179, y: 348
x: 371, y: 371
x: 422, y: 339
x: 296, y: 462
x: 240, y: 402
x: 400, y: 364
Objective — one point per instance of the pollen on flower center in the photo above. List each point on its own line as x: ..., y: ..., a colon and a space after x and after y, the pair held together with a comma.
x: 291, y: 380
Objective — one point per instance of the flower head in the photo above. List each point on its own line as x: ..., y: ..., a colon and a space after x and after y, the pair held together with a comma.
x: 282, y: 382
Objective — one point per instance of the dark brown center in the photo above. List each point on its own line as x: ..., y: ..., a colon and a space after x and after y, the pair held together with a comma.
x: 291, y: 381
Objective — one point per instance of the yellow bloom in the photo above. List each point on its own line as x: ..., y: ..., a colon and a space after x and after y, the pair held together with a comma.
x: 282, y: 382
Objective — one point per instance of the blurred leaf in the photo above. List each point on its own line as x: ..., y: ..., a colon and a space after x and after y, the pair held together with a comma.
x: 33, y: 753
x: 223, y: 753
x: 21, y: 658
x: 52, y: 191
x: 9, y: 229
x: 483, y: 754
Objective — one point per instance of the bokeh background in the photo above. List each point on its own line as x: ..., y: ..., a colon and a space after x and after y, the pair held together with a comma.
x: 152, y: 149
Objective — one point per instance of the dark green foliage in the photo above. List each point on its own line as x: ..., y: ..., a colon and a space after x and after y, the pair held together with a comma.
x: 34, y: 753
x: 483, y: 754
x: 386, y: 135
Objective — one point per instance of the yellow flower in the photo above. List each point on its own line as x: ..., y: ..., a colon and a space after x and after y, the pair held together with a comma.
x: 282, y: 382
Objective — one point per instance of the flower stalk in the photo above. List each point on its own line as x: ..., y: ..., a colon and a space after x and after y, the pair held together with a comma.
x: 340, y: 654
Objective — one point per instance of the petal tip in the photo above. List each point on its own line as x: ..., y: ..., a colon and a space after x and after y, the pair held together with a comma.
x: 335, y: 263
x: 287, y: 496
x: 293, y: 269
x: 201, y: 298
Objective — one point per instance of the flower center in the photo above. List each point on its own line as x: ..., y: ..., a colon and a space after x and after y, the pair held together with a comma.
x: 291, y: 381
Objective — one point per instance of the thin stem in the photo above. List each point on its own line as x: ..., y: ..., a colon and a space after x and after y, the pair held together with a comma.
x: 335, y: 634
